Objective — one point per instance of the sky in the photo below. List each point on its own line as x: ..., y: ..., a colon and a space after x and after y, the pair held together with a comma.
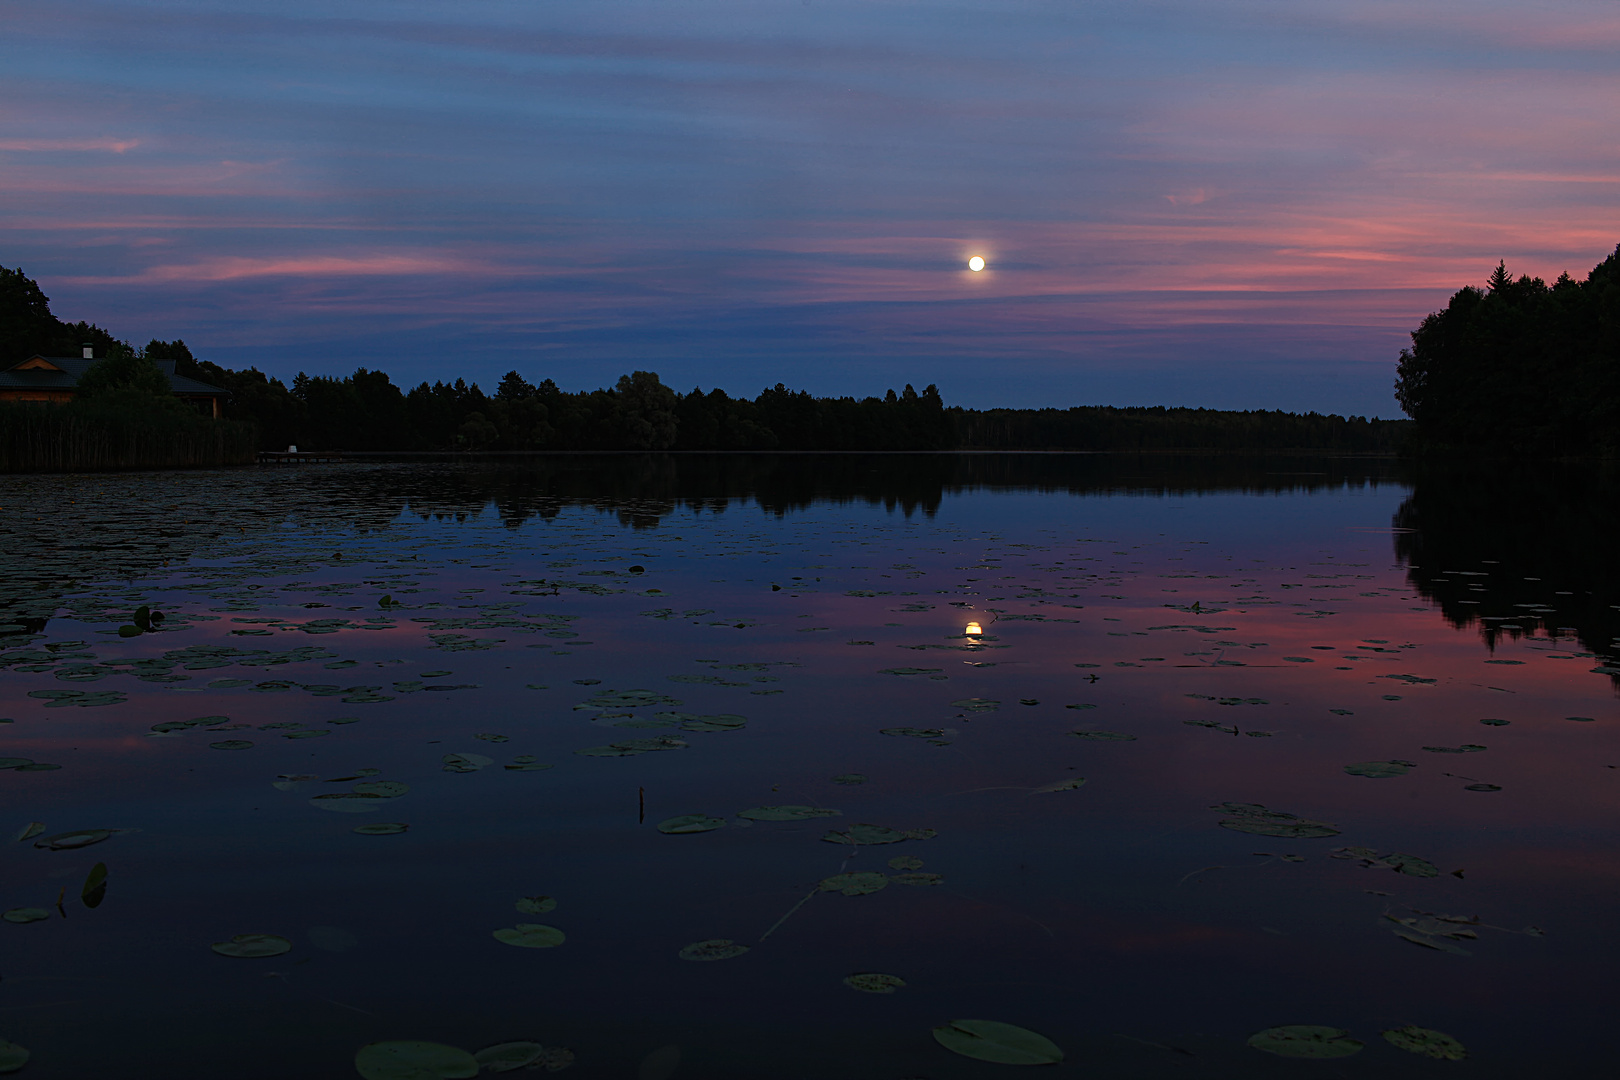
x: 1221, y: 203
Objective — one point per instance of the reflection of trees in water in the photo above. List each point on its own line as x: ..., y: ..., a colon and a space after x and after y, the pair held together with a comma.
x: 642, y: 489
x: 1517, y: 550
x: 61, y: 530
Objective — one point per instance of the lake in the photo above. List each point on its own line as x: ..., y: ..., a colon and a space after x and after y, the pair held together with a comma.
x: 685, y: 766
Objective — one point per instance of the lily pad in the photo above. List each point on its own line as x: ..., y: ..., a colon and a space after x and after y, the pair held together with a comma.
x: 918, y: 879
x: 1254, y: 818
x: 872, y: 982
x: 94, y: 890
x: 865, y: 834
x: 387, y: 789
x: 1305, y: 1041
x: 976, y: 704
x: 536, y: 905
x: 231, y: 744
x: 991, y: 1040
x: 690, y: 823
x: 911, y: 732
x: 69, y: 841
x: 1378, y: 770
x: 30, y: 830
x: 787, y: 813
x: 905, y: 862
x: 713, y: 949
x: 1104, y: 736
x: 463, y: 763
x: 1061, y: 785
x: 531, y: 936
x: 348, y: 802
x: 26, y: 914
x: 252, y: 946
x: 381, y: 828
x: 12, y: 1057
x: 859, y: 883
x: 505, y: 1057
x: 1426, y: 1041
x: 412, y: 1060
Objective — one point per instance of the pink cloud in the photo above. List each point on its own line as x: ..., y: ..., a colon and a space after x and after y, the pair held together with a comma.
x: 236, y: 268
x: 116, y: 146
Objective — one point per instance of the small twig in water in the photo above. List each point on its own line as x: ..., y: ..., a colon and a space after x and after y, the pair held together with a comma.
x: 1195, y: 873
x: 789, y: 914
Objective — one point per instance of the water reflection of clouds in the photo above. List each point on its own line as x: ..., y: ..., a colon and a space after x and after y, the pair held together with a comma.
x: 1036, y: 886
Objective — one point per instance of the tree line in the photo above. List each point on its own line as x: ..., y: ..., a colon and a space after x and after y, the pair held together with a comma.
x: 367, y: 411
x: 1520, y: 366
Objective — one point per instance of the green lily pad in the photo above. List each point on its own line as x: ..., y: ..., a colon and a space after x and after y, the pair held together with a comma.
x: 855, y: 884
x: 463, y: 763
x: 30, y: 830
x: 95, y: 886
x: 609, y: 751
x: 918, y: 879
x: 787, y: 813
x: 1378, y: 770
x: 1061, y: 785
x: 69, y: 841
x: 991, y: 1040
x: 905, y: 862
x: 1104, y: 736
x: 865, y: 834
x: 388, y: 789
x: 348, y: 802
x: 381, y: 828
x: 412, y: 1060
x: 12, y: 1057
x: 231, y: 744
x: 976, y: 705
x: 912, y: 732
x: 1426, y: 1041
x: 252, y: 946
x: 1254, y: 818
x: 713, y: 949
x: 504, y: 1057
x: 872, y: 982
x: 536, y: 905
x: 1305, y: 1041
x: 531, y: 936
x: 850, y: 778
x: 26, y: 914
x: 690, y: 823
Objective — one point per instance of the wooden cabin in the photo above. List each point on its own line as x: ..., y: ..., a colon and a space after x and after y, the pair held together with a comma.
x: 56, y: 379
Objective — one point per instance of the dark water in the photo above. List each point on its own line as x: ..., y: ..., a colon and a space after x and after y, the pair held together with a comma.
x: 1216, y: 630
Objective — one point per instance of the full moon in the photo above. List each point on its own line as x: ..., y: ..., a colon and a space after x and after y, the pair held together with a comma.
x: 975, y: 264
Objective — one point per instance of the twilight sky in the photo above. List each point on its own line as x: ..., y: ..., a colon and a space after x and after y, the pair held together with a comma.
x: 1228, y: 203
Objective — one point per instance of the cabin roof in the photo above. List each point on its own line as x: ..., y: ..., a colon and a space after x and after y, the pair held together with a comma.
x: 63, y: 373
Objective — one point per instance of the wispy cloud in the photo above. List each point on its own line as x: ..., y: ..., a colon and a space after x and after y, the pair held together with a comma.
x: 115, y: 146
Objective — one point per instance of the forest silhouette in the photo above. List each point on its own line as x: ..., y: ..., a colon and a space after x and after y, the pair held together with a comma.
x: 366, y: 412
x: 1519, y: 367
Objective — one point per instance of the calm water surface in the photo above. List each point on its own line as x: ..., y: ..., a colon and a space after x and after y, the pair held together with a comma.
x: 1052, y: 711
